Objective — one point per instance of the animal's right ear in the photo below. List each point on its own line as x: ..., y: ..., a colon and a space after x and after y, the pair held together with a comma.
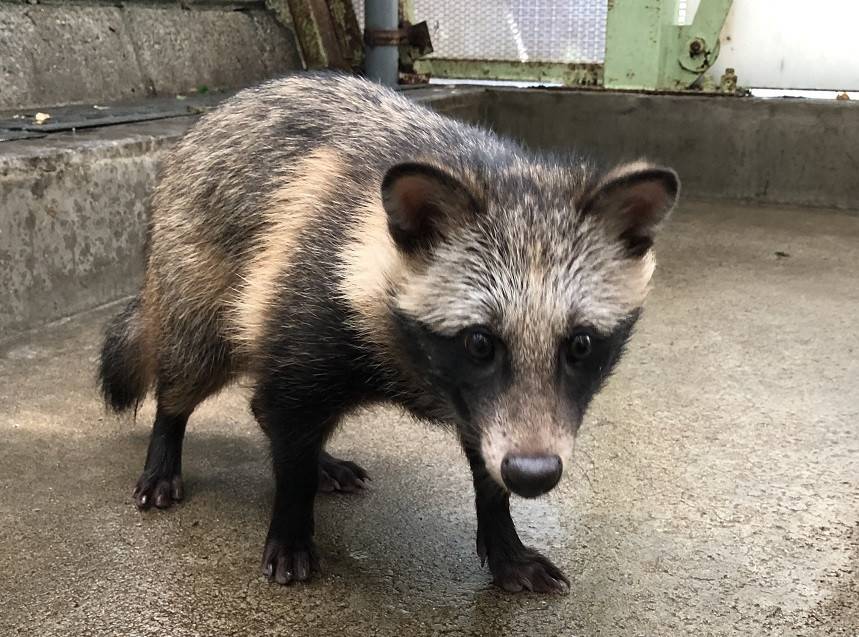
x: 632, y: 201
x: 421, y: 201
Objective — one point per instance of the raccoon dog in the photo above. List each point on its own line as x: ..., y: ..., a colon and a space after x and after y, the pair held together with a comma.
x: 339, y: 245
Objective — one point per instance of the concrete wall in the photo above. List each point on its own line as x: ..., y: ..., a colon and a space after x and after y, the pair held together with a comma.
x: 64, y: 54
x: 788, y: 151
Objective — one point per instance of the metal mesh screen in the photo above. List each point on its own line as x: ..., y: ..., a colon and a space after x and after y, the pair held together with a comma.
x: 513, y: 30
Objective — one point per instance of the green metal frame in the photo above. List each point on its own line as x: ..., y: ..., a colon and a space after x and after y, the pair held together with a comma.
x: 645, y: 50
x: 549, y: 72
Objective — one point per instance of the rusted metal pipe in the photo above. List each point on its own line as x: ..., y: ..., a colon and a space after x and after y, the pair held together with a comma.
x: 382, y: 57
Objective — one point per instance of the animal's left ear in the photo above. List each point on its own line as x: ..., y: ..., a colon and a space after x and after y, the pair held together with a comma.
x: 633, y: 200
x: 422, y: 202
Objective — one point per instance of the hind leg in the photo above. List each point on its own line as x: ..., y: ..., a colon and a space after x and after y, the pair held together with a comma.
x: 183, y: 384
x: 341, y: 476
x: 160, y: 484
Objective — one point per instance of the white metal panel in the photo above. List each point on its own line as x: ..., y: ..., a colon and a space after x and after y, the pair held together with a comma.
x: 513, y: 30
x: 792, y: 44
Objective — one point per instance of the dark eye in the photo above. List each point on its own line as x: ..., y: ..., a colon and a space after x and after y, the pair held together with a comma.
x: 579, y: 347
x: 479, y: 345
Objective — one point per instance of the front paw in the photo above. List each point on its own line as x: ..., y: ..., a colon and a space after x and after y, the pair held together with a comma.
x: 284, y: 562
x: 521, y: 568
x: 162, y: 491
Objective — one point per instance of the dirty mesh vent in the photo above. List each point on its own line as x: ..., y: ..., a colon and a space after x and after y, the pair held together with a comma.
x: 513, y: 30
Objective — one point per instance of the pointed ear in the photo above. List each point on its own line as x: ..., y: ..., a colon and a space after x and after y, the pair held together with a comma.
x: 633, y: 200
x: 421, y: 201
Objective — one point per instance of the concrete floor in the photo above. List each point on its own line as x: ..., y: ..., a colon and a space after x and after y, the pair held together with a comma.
x: 716, y: 489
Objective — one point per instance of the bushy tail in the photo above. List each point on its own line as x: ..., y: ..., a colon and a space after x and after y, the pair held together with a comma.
x: 124, y: 371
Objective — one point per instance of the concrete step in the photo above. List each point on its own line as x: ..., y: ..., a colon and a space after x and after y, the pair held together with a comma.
x: 73, y: 217
x: 75, y: 202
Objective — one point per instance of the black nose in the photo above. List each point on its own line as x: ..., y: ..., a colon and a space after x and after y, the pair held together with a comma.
x: 530, y: 476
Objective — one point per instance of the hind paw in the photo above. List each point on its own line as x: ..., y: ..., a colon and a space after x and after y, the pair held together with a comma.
x: 158, y: 491
x: 340, y: 475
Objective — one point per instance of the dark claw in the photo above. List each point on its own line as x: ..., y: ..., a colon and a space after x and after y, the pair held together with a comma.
x: 327, y: 484
x: 285, y: 565
x: 177, y: 489
x: 340, y: 476
x: 157, y: 491
x: 481, y: 549
x: 301, y: 566
x: 527, y: 570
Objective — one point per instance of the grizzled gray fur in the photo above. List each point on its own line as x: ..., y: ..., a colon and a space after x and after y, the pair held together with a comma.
x: 336, y: 245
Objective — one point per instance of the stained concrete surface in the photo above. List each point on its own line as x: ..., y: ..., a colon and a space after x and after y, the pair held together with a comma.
x: 74, y: 216
x: 716, y: 489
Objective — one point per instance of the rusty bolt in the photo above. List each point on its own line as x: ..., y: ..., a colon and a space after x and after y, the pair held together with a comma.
x: 696, y: 47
